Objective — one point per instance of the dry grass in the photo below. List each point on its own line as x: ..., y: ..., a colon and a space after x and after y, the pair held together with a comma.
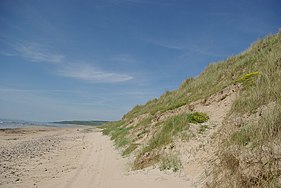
x: 118, y: 132
x: 176, y: 126
x: 248, y: 155
x: 170, y: 162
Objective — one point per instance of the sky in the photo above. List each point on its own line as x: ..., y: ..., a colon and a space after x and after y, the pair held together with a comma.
x: 97, y: 59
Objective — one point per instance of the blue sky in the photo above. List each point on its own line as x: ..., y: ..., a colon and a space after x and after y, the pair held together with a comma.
x: 95, y: 60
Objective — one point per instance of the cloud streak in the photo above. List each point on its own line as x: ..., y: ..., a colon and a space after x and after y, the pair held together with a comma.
x: 31, y: 51
x: 167, y: 44
x: 124, y: 58
x: 36, y: 52
x: 89, y: 73
x: 3, y: 90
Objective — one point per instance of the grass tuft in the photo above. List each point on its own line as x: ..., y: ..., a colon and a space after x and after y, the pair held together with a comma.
x: 118, y: 132
x: 176, y: 126
x: 129, y: 149
x: 170, y: 162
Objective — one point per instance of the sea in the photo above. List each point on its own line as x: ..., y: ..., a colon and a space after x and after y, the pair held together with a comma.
x: 7, y: 123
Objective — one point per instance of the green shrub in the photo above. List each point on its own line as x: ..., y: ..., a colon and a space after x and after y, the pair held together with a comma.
x: 197, y: 117
x: 247, y: 77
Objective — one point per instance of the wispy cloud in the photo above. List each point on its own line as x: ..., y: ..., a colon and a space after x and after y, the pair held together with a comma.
x: 4, y: 53
x: 124, y: 58
x: 166, y: 44
x: 89, y: 73
x: 33, y: 90
x: 32, y: 51
x: 36, y: 52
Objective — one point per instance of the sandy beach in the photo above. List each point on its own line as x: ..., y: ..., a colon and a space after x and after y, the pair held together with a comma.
x: 72, y: 157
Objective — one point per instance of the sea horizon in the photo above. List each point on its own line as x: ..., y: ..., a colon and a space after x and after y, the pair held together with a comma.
x: 15, y: 123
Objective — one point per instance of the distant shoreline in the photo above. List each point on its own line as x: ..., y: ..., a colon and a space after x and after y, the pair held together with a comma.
x: 77, y: 122
x: 12, y: 124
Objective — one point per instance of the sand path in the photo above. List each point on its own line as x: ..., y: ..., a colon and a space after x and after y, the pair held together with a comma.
x: 70, y: 158
x: 101, y: 166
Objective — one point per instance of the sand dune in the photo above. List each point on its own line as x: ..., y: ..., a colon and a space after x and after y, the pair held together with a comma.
x: 72, y: 157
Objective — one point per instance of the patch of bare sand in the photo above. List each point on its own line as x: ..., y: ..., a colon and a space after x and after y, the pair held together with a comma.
x: 72, y: 157
x: 200, y: 152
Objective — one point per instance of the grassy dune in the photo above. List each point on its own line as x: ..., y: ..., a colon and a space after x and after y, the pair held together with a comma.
x: 249, y: 154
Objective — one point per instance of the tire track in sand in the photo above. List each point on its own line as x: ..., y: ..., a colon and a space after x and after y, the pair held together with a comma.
x: 101, y: 166
x: 88, y: 173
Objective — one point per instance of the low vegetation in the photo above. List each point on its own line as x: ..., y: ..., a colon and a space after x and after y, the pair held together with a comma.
x: 175, y: 127
x: 251, y: 157
x: 170, y: 162
x: 251, y: 153
x: 172, y: 127
x: 118, y: 132
x: 249, y: 149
